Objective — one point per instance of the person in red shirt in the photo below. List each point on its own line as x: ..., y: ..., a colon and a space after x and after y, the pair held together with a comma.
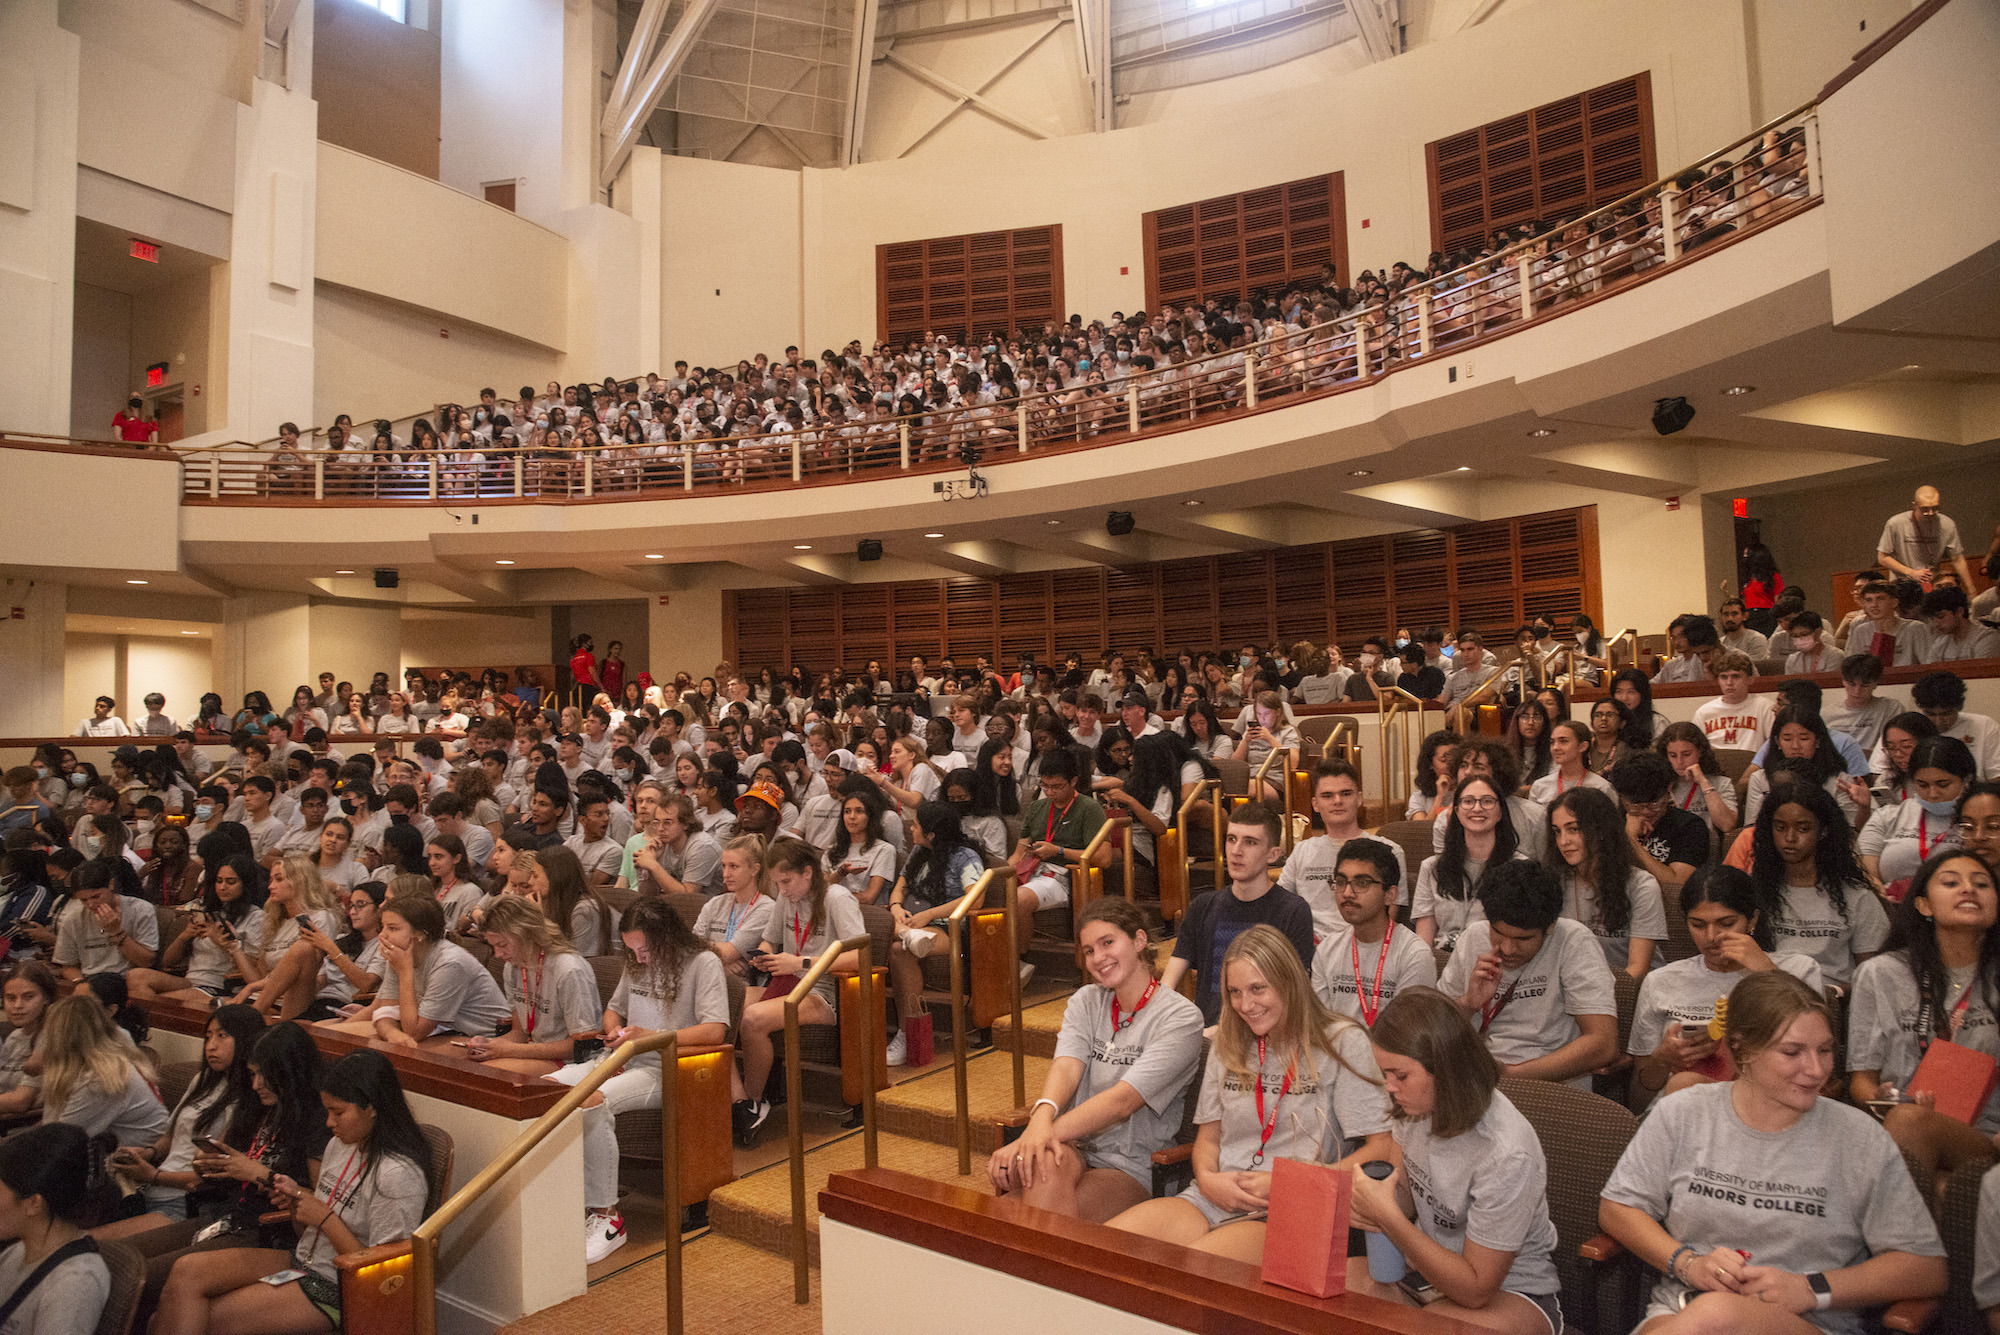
x: 583, y: 668
x: 611, y: 672
x: 133, y: 428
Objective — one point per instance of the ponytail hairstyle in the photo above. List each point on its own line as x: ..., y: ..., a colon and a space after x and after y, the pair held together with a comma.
x: 116, y: 999
x: 670, y: 944
x: 352, y: 941
x: 1762, y: 1007
x: 57, y: 1162
x: 521, y: 922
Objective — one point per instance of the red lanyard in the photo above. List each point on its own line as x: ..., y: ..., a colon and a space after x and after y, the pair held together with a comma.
x: 1924, y: 848
x: 534, y: 993
x: 1957, y: 1016
x: 355, y: 1160
x: 1371, y: 1001
x: 1285, y: 1087
x: 1559, y: 781
x: 1056, y: 818
x: 1151, y: 988
x: 1491, y: 1010
x: 799, y: 934
x: 1687, y: 803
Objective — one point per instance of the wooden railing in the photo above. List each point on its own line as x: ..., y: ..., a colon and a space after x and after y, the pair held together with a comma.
x: 1002, y: 876
x: 1628, y: 241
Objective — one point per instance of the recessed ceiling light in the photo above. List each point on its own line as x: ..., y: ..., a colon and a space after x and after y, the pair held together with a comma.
x: 1741, y: 389
x: 135, y: 581
x: 503, y: 562
x: 1465, y: 468
x: 1190, y: 502
x: 1361, y: 472
x: 1541, y: 431
x: 343, y: 572
x: 934, y: 535
x: 656, y: 556
x: 1053, y: 523
x: 190, y: 632
x: 802, y: 546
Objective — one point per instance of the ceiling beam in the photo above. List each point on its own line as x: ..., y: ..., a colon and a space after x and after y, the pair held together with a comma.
x: 623, y: 132
x: 964, y: 96
x: 860, y: 66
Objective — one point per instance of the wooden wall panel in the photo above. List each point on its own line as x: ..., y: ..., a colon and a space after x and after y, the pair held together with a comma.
x: 1545, y: 165
x: 977, y: 284
x: 1492, y: 576
x: 1226, y: 248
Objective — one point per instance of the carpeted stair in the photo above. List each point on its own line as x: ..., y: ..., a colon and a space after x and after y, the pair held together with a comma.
x: 927, y: 1109
x: 1039, y: 1027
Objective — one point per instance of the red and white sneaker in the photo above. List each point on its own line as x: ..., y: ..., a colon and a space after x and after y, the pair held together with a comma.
x: 603, y: 1234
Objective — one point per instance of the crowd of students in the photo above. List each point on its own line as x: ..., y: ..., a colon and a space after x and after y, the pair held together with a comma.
x: 1854, y: 860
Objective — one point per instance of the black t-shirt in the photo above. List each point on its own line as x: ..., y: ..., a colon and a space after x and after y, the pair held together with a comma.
x: 1217, y: 917
x: 1426, y: 683
x: 1679, y: 836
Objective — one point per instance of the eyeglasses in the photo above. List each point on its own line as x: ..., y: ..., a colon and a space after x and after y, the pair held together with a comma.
x: 1362, y: 883
x: 1966, y: 829
x: 1479, y: 803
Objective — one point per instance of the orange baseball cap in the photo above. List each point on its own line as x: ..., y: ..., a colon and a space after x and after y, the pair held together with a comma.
x: 766, y: 791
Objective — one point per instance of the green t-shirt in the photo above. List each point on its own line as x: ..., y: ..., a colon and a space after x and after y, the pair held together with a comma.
x: 1074, y: 826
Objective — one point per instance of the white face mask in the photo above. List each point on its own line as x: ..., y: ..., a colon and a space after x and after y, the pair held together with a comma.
x: 203, y: 810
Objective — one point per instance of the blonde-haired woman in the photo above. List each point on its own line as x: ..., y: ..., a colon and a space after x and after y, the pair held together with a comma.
x: 1758, y: 1200
x: 735, y: 923
x: 283, y: 977
x: 1286, y: 1079
x: 91, y: 1079
x: 552, y: 989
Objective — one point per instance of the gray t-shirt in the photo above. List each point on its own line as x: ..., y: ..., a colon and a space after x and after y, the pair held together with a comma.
x: 1489, y: 1186
x: 1902, y: 835
x: 68, y: 1301
x: 15, y: 1050
x: 81, y: 942
x: 791, y: 928
x: 1566, y: 978
x: 1912, y: 640
x: 1920, y: 551
x: 209, y: 965
x: 1882, y: 1024
x: 379, y: 1204
x: 1309, y: 875
x: 453, y: 989
x: 1451, y: 916
x: 1828, y: 1193
x: 700, y: 997
x: 1864, y: 724
x: 606, y: 855
x: 1410, y: 964
x: 722, y: 919
x: 860, y: 865
x: 333, y: 984
x: 1528, y: 816
x: 1318, y: 1115
x: 1155, y: 1053
x: 1808, y: 923
x: 1648, y: 919
x: 1986, y: 1262
x: 1685, y: 992
x: 562, y: 996
x: 133, y: 1113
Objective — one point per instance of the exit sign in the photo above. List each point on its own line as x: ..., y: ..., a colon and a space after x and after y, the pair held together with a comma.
x: 156, y: 375
x: 1740, y: 507
x: 145, y: 250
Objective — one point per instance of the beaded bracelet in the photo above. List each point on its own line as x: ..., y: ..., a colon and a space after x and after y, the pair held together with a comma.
x: 1674, y: 1261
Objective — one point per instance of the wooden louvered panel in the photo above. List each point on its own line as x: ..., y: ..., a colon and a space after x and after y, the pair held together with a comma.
x: 1256, y: 243
x: 969, y: 286
x: 1547, y: 165
x: 1343, y: 591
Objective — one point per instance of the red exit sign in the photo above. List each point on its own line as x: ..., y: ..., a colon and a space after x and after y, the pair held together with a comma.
x: 145, y: 250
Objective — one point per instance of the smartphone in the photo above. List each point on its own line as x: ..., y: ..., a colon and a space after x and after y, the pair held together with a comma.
x: 1419, y: 1290
x: 1693, y: 1033
x: 283, y: 1277
x: 210, y: 1144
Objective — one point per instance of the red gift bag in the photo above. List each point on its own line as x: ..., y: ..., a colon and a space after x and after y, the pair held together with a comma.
x: 919, y: 1046
x: 1960, y: 1079
x: 1305, y: 1240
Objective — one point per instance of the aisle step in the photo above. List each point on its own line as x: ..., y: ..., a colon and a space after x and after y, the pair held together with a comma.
x: 728, y: 1289
x: 927, y: 1109
x: 1039, y: 1027
x: 757, y: 1210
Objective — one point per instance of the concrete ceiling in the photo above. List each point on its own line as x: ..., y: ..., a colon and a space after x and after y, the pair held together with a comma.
x: 104, y: 259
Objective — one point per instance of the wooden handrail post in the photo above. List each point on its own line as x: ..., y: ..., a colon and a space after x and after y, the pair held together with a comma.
x: 687, y: 465
x: 1425, y: 334
x: 1524, y: 270
x: 1670, y: 244
x: 1021, y: 422
x: 1815, y: 186
x: 1360, y: 351
x: 432, y: 465
x: 1132, y: 407
x: 519, y: 478
x: 1250, y: 378
x: 798, y: 462
x: 903, y: 440
x: 589, y: 473
x: 214, y: 476
x: 319, y: 477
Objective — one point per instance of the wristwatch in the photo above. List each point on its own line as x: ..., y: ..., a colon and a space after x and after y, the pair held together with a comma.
x: 1822, y: 1291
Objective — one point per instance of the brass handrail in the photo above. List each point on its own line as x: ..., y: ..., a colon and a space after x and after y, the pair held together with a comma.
x: 955, y: 927
x: 1391, y: 703
x: 1104, y: 831
x: 1474, y: 697
x: 1629, y: 634
x: 795, y: 1126
x: 424, y: 1241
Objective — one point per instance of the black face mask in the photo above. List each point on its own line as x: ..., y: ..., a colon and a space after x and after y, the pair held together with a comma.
x: 396, y: 819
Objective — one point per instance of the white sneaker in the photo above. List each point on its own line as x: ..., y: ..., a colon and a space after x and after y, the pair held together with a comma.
x: 899, y: 1050
x: 1027, y: 974
x: 918, y: 942
x: 603, y: 1234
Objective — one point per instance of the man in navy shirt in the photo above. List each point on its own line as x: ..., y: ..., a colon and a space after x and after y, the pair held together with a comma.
x: 1218, y: 917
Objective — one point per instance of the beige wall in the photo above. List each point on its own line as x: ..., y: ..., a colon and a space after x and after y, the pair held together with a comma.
x: 729, y: 267
x: 172, y: 324
x: 686, y: 634
x: 377, y: 83
x: 128, y: 668
x: 1371, y: 124
x: 100, y: 360
x: 375, y: 358
x: 137, y: 500
x: 441, y: 639
x: 37, y: 215
x: 351, y: 641
x: 395, y: 234
x: 1795, y: 48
